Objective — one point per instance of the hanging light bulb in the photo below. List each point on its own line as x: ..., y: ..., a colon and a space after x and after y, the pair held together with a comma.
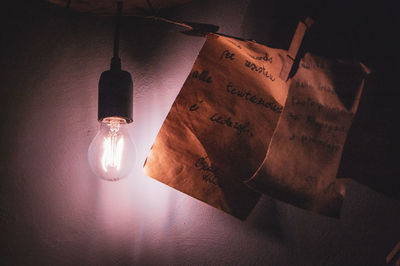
x: 112, y: 153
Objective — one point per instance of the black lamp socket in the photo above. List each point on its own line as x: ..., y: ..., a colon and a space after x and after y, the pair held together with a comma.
x: 115, y: 93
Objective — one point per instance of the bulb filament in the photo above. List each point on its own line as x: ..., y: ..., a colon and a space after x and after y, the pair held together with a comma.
x: 113, y: 146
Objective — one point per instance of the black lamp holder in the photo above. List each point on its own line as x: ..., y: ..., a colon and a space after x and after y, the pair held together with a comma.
x: 115, y: 85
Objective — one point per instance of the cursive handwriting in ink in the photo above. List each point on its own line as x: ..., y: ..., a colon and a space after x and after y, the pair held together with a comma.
x: 227, y: 55
x: 259, y: 69
x: 203, y: 76
x: 308, y: 102
x: 315, y: 64
x: 265, y: 58
x: 209, y: 173
x: 305, y: 64
x: 305, y: 85
x: 311, y: 140
x: 227, y: 121
x: 312, y: 120
x: 195, y: 107
x: 247, y: 95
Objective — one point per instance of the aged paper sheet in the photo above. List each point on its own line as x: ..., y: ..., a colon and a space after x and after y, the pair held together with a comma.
x: 219, y: 127
x: 304, y: 155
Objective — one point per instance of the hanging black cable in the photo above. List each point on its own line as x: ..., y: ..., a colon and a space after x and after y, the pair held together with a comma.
x: 115, y: 85
x: 116, y: 32
x: 116, y: 62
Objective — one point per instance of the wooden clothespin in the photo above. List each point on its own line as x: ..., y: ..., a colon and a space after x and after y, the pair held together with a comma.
x: 294, y: 47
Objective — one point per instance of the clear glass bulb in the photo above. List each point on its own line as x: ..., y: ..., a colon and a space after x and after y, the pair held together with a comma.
x: 112, y: 153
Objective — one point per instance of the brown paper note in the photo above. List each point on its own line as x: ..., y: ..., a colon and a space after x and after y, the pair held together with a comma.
x: 217, y: 132
x: 301, y: 164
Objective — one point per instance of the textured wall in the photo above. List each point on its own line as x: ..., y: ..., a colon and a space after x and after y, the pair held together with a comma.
x: 53, y: 210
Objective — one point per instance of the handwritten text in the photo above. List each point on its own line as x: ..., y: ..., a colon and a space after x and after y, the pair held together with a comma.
x: 249, y: 96
x: 209, y: 172
x: 227, y: 121
x: 203, y: 76
x: 259, y: 69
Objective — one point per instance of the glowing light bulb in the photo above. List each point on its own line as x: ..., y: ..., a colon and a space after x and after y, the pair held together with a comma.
x: 112, y: 153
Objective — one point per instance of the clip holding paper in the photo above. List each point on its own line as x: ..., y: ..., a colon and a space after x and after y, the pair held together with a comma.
x: 294, y: 47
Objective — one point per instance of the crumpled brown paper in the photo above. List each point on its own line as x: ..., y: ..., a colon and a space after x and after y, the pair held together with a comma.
x: 215, y: 142
x: 219, y: 127
x: 305, y: 151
